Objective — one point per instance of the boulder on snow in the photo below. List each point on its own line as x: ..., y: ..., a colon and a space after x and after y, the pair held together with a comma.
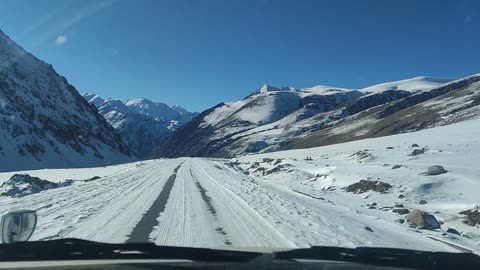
x: 417, y: 152
x: 423, y: 220
x: 390, y: 148
x: 20, y: 185
x: 401, y: 211
x: 366, y: 185
x: 400, y: 220
x: 92, y: 179
x: 396, y: 167
x: 453, y: 231
x: 435, y: 170
x: 368, y: 229
x: 422, y: 202
x: 415, y: 145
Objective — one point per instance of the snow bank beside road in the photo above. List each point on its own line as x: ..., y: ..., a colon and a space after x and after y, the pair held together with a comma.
x: 325, y: 171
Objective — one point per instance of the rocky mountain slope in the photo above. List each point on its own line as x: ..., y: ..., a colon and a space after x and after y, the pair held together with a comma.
x: 45, y: 122
x: 141, y: 123
x: 273, y: 118
x: 450, y: 103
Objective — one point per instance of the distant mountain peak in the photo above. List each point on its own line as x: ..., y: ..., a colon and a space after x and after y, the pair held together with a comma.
x: 142, y: 123
x: 93, y: 99
x: 265, y: 88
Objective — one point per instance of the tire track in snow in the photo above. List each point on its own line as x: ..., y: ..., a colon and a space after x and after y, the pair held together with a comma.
x: 208, y: 201
x: 249, y: 228
x: 141, y: 232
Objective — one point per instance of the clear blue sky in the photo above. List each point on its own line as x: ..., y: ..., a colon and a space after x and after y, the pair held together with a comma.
x: 198, y: 53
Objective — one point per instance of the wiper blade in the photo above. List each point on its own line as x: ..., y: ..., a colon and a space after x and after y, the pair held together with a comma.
x: 76, y: 249
x: 392, y: 257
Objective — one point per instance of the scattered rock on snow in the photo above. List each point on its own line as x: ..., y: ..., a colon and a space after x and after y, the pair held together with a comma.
x: 389, y: 147
x: 259, y: 169
x: 453, y: 231
x: 92, y: 179
x: 399, y: 205
x: 472, y: 217
x: 417, y: 152
x: 401, y: 196
x: 422, y: 202
x: 367, y: 185
x: 275, y: 169
x: 278, y: 161
x: 268, y: 160
x: 400, y: 220
x: 20, y: 185
x: 396, y: 167
x: 415, y: 145
x: 368, y: 229
x: 423, y: 220
x: 401, y: 211
x: 435, y: 170
x: 233, y: 162
x: 362, y: 155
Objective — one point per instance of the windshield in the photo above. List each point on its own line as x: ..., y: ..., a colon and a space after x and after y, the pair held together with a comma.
x: 242, y: 124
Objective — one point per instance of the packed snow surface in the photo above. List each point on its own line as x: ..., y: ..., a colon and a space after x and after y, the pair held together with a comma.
x: 292, y: 198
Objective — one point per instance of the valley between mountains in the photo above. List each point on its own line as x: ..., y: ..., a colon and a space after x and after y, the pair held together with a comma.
x: 294, y: 198
x: 389, y: 165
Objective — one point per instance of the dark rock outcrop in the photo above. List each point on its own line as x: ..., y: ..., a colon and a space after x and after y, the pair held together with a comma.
x: 20, y: 185
x: 367, y: 185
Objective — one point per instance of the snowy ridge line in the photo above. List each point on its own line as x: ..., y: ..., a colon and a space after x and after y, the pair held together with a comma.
x: 145, y: 226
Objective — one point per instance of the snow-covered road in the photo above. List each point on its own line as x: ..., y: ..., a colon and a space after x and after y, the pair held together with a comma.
x: 204, y: 203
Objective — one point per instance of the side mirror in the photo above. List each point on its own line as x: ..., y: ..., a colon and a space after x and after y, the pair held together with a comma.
x: 17, y: 226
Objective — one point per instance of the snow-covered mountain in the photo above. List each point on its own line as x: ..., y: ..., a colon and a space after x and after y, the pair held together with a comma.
x: 141, y: 123
x: 45, y: 122
x: 270, y: 117
x: 449, y: 103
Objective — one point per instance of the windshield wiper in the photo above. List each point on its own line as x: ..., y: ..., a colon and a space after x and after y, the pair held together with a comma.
x: 392, y: 257
x: 76, y: 249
